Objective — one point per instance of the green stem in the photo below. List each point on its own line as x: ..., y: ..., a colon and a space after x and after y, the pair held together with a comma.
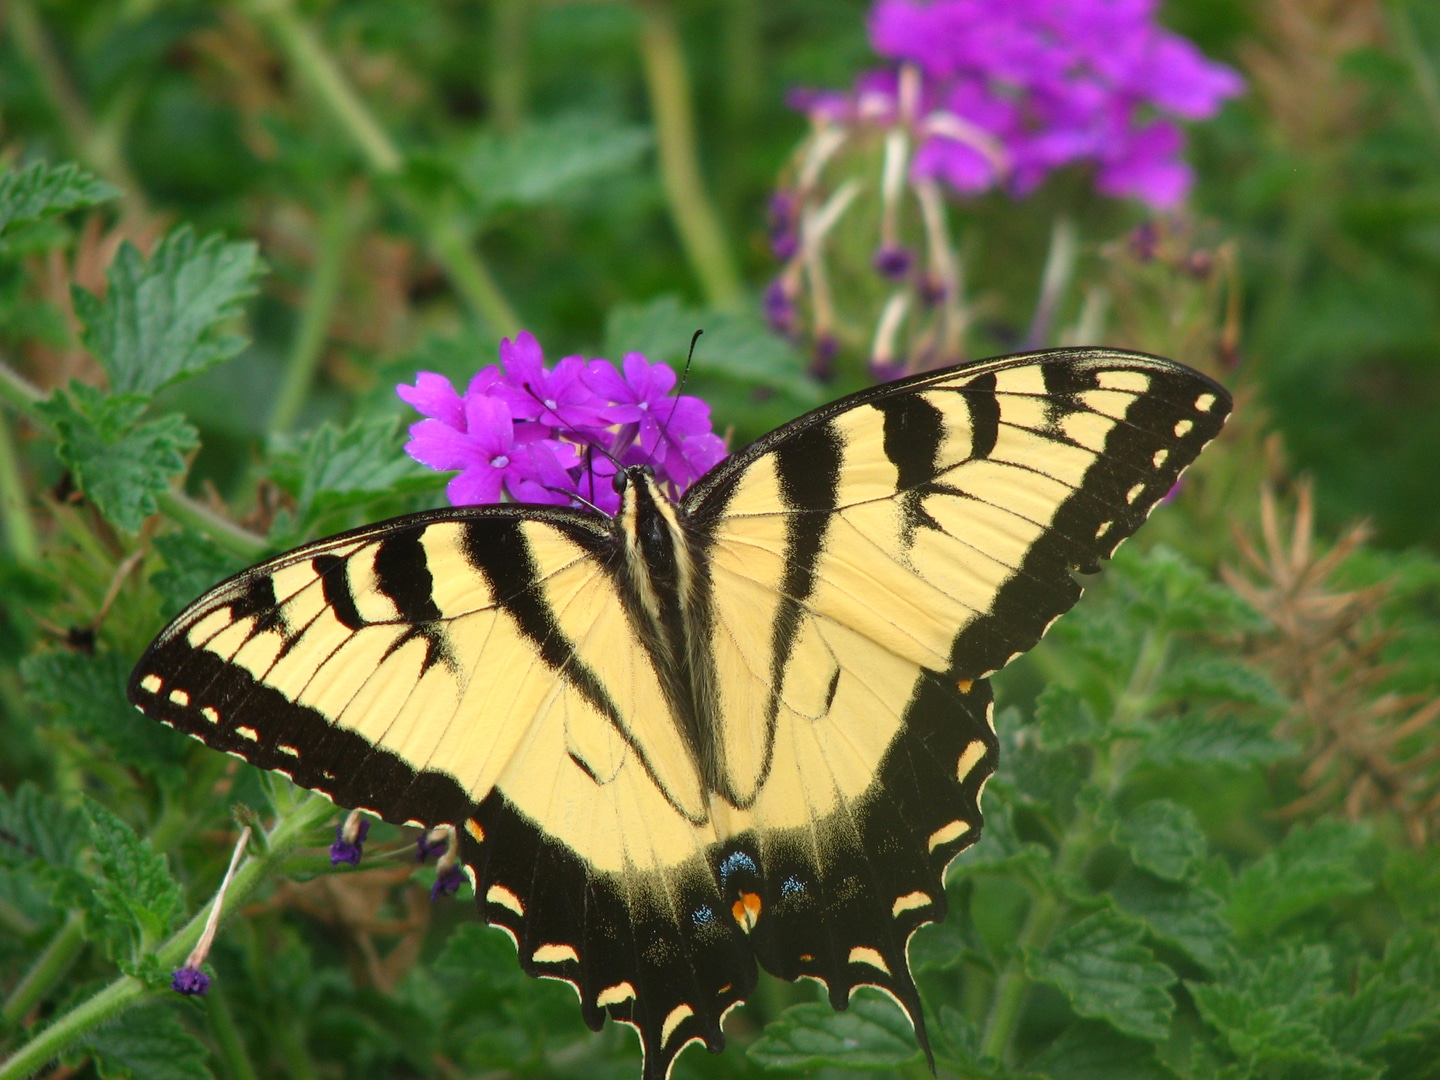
x: 49, y: 967
x: 20, y: 530
x: 14, y: 921
x: 508, y: 74
x: 18, y: 392
x: 95, y: 146
x: 1420, y: 66
x: 287, y: 1035
x: 1011, y: 987
x: 227, y: 1036
x: 127, y: 991
x: 461, y: 260
x: 696, y: 219
x: 320, y: 300
x: 455, y: 251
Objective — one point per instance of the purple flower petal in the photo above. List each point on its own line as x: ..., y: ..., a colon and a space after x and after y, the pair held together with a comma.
x: 192, y: 982
x: 349, y: 851
x: 432, y: 395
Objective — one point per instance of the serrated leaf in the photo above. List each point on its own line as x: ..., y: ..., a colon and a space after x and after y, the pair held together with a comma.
x: 1197, y: 739
x: 547, y: 159
x: 1381, y: 1012
x: 1162, y: 837
x: 1311, y: 868
x: 135, y: 889
x: 872, y: 1034
x: 999, y: 848
x: 37, y: 828
x: 1065, y: 718
x: 148, y: 1043
x: 1089, y: 1051
x: 193, y: 563
x: 478, y: 956
x: 163, y: 319
x: 40, y: 190
x: 1164, y: 589
x: 86, y: 692
x: 959, y: 1042
x: 1187, y: 917
x: 1106, y: 974
x: 1220, y: 678
x: 735, y: 346
x: 120, y: 464
x: 1269, y: 1011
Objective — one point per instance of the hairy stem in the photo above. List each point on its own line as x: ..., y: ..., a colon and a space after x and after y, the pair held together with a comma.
x: 49, y: 967
x: 306, y: 54
x: 508, y: 71
x: 315, y: 316
x: 228, y: 1042
x: 20, y: 531
x: 696, y: 219
x: 127, y: 990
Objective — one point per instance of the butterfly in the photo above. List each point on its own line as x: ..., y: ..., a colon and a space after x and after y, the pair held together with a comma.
x: 746, y: 730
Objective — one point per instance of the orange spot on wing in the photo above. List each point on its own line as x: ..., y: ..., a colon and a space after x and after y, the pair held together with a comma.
x: 746, y: 910
x: 965, y: 685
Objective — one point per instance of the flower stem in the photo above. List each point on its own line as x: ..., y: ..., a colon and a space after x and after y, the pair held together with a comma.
x: 127, y: 990
x: 1055, y: 281
x: 508, y: 70
x: 23, y: 396
x: 307, y: 55
x: 228, y: 1042
x: 20, y: 531
x: 49, y: 967
x: 320, y: 299
x: 696, y: 218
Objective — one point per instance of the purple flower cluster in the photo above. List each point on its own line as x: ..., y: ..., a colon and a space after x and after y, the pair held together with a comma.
x: 349, y: 842
x: 1012, y: 90
x: 558, y: 436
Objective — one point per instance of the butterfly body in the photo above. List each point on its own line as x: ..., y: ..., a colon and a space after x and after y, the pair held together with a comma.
x: 748, y: 729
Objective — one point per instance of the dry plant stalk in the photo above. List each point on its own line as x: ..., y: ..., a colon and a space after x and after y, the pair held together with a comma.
x: 1367, y: 749
x: 1295, y: 68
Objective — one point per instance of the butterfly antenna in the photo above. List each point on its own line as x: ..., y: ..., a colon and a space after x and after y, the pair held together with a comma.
x: 588, y: 444
x: 684, y: 376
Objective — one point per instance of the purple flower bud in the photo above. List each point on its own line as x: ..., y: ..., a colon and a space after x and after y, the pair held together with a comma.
x: 349, y: 850
x: 447, y: 881
x: 1144, y: 241
x: 894, y: 262
x: 425, y: 847
x: 780, y: 311
x: 822, y: 359
x: 192, y: 982
x: 932, y: 290
x: 784, y: 225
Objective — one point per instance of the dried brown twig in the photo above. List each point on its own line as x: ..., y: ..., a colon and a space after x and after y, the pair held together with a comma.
x: 1367, y: 749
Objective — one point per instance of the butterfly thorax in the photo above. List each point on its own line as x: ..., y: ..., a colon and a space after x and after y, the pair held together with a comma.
x: 659, y: 576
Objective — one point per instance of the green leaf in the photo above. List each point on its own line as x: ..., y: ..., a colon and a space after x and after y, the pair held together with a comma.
x: 1221, y: 678
x: 1104, y: 971
x: 1187, y: 917
x: 119, y: 463
x: 1197, y: 739
x: 999, y: 847
x: 1269, y: 1013
x: 1089, y: 1051
x: 1312, y: 867
x: 148, y: 1043
x: 1163, y: 589
x: 736, y: 346
x: 164, y: 319
x: 135, y: 890
x: 1162, y: 837
x: 86, y: 693
x: 872, y: 1034
x: 40, y: 190
x: 1065, y: 718
x: 547, y: 159
x: 1381, y: 1012
x: 193, y: 563
x: 36, y: 827
x: 958, y: 1041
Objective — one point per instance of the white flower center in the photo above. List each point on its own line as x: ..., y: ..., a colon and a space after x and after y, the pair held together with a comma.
x: 550, y: 403
x: 499, y: 462
x: 644, y: 406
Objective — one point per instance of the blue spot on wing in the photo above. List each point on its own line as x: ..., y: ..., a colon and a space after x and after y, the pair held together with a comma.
x: 734, y: 862
x: 702, y: 915
x: 791, y: 887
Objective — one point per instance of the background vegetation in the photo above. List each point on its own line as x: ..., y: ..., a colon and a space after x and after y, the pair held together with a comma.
x: 1208, y: 853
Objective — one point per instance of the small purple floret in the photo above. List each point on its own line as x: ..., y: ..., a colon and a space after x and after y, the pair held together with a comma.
x: 780, y: 311
x: 894, y: 262
x: 447, y: 882
x: 557, y: 436
x: 1012, y: 90
x: 347, y: 851
x: 425, y: 847
x: 190, y: 981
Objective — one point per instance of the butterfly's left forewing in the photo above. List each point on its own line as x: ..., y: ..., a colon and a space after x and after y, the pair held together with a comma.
x: 870, y: 565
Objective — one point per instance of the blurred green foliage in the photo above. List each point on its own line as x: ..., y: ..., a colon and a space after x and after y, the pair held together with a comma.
x: 280, y: 210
